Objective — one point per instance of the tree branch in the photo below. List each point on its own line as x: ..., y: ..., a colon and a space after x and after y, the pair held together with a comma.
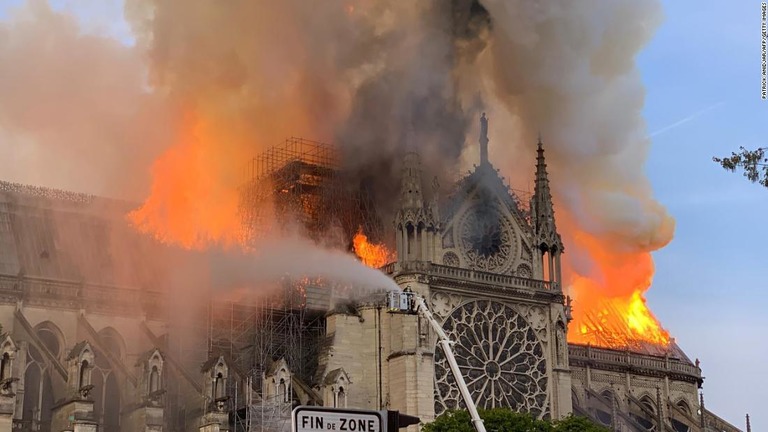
x: 753, y: 162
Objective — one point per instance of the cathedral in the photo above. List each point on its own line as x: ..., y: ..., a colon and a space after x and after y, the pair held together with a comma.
x: 91, y: 340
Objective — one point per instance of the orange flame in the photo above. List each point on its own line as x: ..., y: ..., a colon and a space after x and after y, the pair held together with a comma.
x: 371, y: 254
x: 191, y: 204
x: 609, y: 305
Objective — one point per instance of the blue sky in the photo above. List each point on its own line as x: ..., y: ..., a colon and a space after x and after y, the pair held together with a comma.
x: 701, y: 71
x: 710, y: 288
x: 104, y: 17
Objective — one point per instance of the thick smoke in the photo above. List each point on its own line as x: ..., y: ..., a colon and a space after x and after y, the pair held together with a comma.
x: 375, y: 77
x: 74, y: 112
x: 566, y: 69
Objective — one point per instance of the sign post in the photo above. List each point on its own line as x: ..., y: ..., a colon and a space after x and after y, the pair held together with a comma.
x: 317, y: 419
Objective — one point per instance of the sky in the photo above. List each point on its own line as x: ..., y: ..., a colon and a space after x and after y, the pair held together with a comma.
x: 702, y: 74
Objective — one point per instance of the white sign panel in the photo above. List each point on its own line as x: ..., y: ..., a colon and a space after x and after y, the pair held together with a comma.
x: 316, y: 419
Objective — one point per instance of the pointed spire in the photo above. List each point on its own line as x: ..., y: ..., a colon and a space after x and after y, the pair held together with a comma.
x: 542, y: 207
x: 483, y: 140
x: 749, y: 426
x: 701, y: 409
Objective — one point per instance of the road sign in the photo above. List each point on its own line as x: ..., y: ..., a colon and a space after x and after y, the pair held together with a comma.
x: 316, y: 419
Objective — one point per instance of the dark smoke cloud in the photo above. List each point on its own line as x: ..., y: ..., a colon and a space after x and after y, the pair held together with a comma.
x: 374, y: 77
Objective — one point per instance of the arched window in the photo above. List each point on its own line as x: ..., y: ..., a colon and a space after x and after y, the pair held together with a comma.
x: 605, y: 414
x: 32, y: 390
x: 5, y: 367
x: 111, y: 404
x: 154, y: 380
x: 218, y: 388
x: 683, y: 405
x: 97, y: 394
x: 107, y: 396
x: 85, y: 378
x: 342, y: 398
x: 648, y: 403
x: 282, y: 391
x: 51, y: 337
x: 112, y: 342
x: 607, y: 394
x: 38, y: 392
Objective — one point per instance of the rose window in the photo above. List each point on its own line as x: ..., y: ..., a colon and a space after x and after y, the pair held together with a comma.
x: 500, y: 357
x: 486, y: 238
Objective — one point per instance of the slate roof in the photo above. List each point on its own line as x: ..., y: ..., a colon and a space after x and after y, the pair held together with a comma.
x: 53, y: 234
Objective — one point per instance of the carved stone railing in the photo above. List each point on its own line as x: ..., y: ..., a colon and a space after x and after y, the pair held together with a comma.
x: 27, y: 426
x: 598, y: 357
x: 78, y: 295
x: 468, y: 275
x: 44, y: 192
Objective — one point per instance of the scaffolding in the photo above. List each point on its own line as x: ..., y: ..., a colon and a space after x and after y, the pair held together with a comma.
x: 295, y: 185
x: 299, y: 184
x: 254, y: 333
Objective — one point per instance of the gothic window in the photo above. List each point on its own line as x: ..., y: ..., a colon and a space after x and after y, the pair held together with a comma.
x: 679, y: 426
x: 486, y: 238
x: 154, y: 380
x: 500, y: 357
x: 643, y: 420
x: 608, y: 395
x: 648, y: 404
x: 683, y: 405
x: 38, y: 392
x: 604, y: 414
x: 218, y: 390
x: 50, y: 336
x: 84, y: 375
x: 451, y: 259
x: 575, y: 398
x: 604, y: 417
x: 5, y: 367
x: 524, y: 271
x: 282, y: 391
x: 341, y: 398
x: 107, y: 397
x: 111, y: 404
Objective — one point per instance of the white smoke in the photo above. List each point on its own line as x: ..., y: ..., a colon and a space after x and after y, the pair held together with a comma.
x: 294, y: 257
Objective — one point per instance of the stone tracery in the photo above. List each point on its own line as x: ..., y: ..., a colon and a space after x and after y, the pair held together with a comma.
x: 492, y: 341
x: 487, y: 239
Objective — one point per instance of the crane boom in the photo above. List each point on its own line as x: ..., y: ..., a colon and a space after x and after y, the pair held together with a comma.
x: 421, y: 308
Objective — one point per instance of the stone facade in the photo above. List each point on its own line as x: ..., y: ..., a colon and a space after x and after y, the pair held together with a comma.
x: 631, y: 390
x: 490, y: 272
x: 88, y: 345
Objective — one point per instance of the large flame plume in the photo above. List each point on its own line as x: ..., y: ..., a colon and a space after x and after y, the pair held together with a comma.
x: 374, y: 255
x: 191, y: 203
x: 566, y: 70
x: 375, y: 77
x: 382, y: 75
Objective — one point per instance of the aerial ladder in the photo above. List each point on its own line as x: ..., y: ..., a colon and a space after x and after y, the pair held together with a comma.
x: 409, y: 301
